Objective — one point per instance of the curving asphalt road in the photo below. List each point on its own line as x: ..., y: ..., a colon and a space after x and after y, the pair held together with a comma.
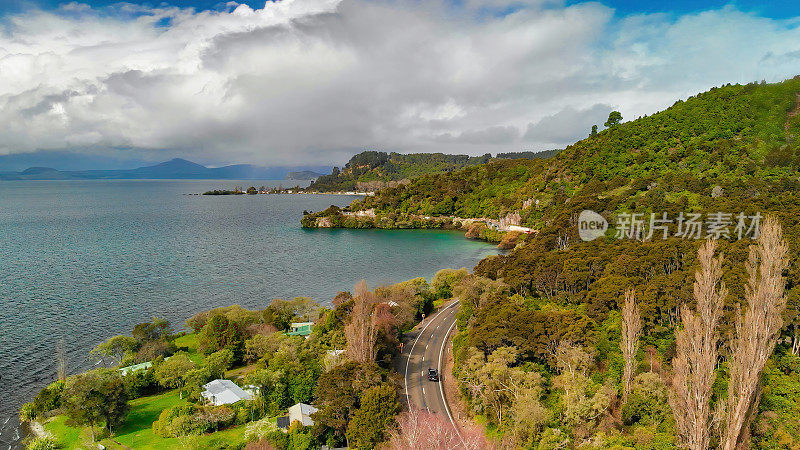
x: 424, y: 348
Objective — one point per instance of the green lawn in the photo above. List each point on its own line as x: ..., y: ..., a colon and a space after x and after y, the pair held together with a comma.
x: 137, y: 431
x: 189, y: 344
x: 68, y: 437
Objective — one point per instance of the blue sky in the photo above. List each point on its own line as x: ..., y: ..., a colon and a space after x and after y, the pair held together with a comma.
x: 776, y: 9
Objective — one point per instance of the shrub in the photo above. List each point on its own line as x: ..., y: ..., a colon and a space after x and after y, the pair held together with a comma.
x: 177, y: 421
x: 43, y: 443
x: 49, y: 398
x: 647, y: 403
x: 27, y: 413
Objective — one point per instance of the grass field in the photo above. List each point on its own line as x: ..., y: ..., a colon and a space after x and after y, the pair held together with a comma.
x: 68, y: 437
x: 188, y: 343
x: 137, y: 431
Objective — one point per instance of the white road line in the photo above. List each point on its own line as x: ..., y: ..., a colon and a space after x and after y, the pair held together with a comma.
x: 408, y: 361
x: 441, y: 389
x: 423, y: 391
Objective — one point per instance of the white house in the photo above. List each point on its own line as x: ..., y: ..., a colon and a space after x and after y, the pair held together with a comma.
x: 224, y: 392
x: 525, y: 230
x: 302, y: 412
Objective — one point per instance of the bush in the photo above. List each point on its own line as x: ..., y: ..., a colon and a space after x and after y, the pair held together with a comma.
x: 49, y: 398
x: 140, y: 383
x: 554, y: 439
x: 27, y: 413
x: 178, y: 421
x: 647, y: 403
x: 43, y: 443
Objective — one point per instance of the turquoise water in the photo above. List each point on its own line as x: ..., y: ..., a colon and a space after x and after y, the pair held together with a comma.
x: 85, y: 260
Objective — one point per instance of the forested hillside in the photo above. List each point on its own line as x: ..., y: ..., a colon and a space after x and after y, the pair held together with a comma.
x: 371, y: 170
x: 728, y: 136
x: 541, y: 356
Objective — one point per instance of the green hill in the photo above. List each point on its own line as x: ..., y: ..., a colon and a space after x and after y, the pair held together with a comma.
x: 371, y: 170
x: 731, y: 150
x: 735, y: 136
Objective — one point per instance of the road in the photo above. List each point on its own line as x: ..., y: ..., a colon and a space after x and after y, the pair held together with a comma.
x: 424, y: 348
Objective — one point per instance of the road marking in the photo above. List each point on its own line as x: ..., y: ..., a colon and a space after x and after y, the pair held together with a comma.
x: 423, y: 391
x: 408, y: 361
x: 441, y: 389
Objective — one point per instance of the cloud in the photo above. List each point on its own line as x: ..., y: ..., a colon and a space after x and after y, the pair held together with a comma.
x: 568, y: 125
x: 312, y: 81
x: 491, y: 135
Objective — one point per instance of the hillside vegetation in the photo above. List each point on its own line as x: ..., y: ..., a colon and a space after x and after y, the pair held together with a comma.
x: 729, y: 136
x: 546, y: 316
x: 372, y: 170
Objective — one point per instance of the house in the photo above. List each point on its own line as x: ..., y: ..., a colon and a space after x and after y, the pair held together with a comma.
x: 300, y: 412
x: 224, y: 392
x: 135, y: 368
x: 300, y: 329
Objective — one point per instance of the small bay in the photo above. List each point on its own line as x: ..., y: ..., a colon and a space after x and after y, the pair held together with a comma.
x: 85, y: 260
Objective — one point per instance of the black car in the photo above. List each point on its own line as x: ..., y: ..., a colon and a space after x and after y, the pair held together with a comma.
x: 433, y: 375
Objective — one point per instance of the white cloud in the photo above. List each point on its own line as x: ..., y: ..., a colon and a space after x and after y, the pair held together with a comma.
x: 316, y: 80
x: 567, y: 125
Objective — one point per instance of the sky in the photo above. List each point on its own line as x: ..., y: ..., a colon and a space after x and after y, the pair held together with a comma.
x: 312, y: 82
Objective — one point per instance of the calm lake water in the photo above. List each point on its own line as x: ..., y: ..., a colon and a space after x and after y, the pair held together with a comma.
x: 85, y: 260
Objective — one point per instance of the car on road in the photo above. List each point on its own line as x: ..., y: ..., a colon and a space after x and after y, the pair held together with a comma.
x: 433, y: 375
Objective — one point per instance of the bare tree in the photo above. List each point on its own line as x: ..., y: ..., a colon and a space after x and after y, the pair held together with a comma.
x: 631, y: 331
x: 757, y: 330
x: 61, y: 360
x: 367, y: 319
x: 696, y: 356
x: 421, y: 429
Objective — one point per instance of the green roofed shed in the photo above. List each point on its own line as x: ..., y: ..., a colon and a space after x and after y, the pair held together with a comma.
x: 300, y: 329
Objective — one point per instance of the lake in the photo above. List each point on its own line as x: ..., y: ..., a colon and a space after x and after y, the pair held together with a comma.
x: 85, y: 260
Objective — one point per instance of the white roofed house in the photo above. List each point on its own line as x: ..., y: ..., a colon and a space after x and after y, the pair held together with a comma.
x: 224, y: 392
x: 300, y: 412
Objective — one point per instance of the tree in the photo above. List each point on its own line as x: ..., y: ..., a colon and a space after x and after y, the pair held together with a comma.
x: 584, y: 403
x: 497, y: 387
x: 338, y: 393
x: 614, y: 118
x: 647, y: 402
x: 151, y: 331
x: 422, y: 429
x: 374, y: 417
x: 218, y: 362
x: 696, y: 354
x: 218, y: 333
x: 629, y: 344
x: 172, y: 372
x: 367, y: 319
x: 96, y: 397
x: 757, y: 330
x: 594, y: 131
x: 115, y: 348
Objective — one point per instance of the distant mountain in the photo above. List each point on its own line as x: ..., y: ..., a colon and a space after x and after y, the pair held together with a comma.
x: 303, y: 175
x: 177, y: 168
